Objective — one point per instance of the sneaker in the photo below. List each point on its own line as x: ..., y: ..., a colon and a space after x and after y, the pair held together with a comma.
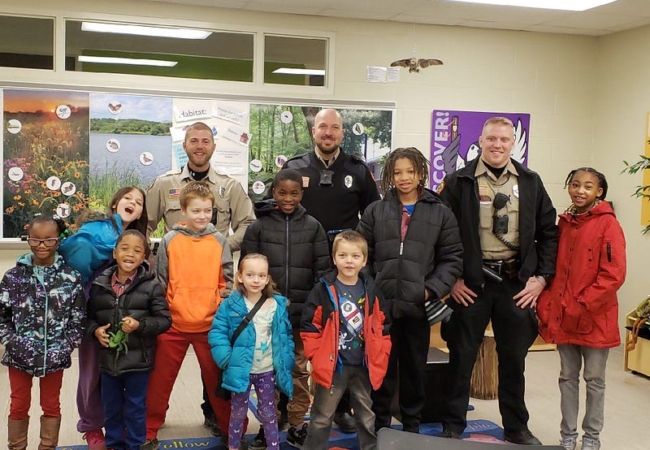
x: 95, y: 440
x: 243, y: 444
x: 296, y: 435
x: 590, y: 443
x: 569, y: 443
x: 259, y: 441
x: 150, y: 444
x: 211, y: 424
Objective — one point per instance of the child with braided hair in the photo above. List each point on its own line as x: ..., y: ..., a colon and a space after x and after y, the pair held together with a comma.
x: 416, y: 253
x: 579, y: 310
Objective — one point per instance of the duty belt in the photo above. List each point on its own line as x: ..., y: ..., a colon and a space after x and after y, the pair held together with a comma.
x: 506, y: 268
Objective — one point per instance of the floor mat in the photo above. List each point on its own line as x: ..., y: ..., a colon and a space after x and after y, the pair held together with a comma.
x: 477, y: 430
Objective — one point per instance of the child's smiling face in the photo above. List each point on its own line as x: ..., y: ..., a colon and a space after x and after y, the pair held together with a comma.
x: 43, y: 240
x: 129, y: 253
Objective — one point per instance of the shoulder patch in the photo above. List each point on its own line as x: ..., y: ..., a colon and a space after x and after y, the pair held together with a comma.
x: 441, y: 188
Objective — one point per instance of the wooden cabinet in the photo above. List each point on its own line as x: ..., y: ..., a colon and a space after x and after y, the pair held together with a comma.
x: 637, y: 360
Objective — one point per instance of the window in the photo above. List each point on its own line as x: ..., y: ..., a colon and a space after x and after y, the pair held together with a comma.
x: 149, y: 50
x: 295, y: 60
x: 27, y: 42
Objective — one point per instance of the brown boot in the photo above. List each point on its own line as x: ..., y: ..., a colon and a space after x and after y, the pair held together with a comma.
x: 17, y: 434
x: 49, y: 433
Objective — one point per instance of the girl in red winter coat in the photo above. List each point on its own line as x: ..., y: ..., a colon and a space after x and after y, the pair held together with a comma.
x: 579, y: 312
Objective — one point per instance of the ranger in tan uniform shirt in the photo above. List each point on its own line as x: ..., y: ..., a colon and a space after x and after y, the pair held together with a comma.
x: 234, y: 207
x: 488, y: 187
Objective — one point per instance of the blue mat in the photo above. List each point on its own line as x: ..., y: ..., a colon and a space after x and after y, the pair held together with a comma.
x: 477, y: 430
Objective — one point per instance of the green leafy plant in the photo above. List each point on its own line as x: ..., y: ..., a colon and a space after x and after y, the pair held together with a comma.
x: 642, y: 192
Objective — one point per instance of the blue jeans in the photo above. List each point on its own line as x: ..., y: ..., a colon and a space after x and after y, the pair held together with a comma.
x: 357, y: 380
x: 125, y: 408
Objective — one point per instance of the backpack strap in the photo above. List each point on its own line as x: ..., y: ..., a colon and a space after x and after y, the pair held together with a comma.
x: 246, y: 320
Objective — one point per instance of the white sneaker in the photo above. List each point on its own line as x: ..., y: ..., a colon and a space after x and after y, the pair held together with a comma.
x: 569, y: 443
x: 590, y: 443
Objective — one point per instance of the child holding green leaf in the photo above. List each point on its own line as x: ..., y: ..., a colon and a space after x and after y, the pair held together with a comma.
x: 126, y: 299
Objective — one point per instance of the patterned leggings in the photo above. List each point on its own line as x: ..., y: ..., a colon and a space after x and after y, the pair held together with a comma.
x: 265, y: 387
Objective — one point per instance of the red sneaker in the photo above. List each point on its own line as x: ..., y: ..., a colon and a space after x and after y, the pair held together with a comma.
x: 95, y: 440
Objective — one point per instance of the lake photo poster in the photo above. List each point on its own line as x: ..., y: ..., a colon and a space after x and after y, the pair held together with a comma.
x: 130, y: 143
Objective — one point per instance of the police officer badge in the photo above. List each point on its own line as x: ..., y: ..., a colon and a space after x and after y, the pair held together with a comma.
x: 348, y: 181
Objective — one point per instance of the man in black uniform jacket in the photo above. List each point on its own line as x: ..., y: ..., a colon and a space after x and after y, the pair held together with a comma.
x: 337, y: 189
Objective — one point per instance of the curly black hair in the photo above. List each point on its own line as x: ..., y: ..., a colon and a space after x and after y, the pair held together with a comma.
x: 417, y: 158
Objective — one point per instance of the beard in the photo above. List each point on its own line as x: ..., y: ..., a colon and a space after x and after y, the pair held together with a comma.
x: 329, y: 150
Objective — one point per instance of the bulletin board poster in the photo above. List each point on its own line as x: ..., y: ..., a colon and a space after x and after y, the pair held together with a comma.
x: 455, y: 135
x: 281, y: 132
x: 130, y: 143
x: 46, y: 158
x: 229, y: 122
x: 67, y: 151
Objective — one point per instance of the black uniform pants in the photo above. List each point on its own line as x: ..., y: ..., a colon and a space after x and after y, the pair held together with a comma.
x: 515, y: 330
x: 406, y: 365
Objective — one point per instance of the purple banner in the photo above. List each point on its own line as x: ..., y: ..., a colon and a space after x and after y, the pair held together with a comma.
x: 454, y: 140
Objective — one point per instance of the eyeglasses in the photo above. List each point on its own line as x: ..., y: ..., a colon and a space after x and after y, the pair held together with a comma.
x: 49, y: 242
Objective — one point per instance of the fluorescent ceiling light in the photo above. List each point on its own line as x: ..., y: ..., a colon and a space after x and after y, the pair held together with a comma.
x: 293, y: 71
x: 131, y: 61
x: 140, y: 30
x: 566, y: 5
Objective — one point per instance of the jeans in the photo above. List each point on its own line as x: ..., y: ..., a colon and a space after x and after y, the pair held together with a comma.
x: 357, y: 380
x: 595, y: 359
x: 125, y: 409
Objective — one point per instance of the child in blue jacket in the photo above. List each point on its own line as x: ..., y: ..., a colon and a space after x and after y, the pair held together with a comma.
x: 261, y: 356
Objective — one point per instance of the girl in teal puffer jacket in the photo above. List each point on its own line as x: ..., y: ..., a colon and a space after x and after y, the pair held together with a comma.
x: 261, y: 356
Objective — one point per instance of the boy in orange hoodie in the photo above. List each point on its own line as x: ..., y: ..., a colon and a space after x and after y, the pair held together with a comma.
x: 194, y: 265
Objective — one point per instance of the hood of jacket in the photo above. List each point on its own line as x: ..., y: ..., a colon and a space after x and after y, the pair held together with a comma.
x: 181, y: 227
x: 270, y: 208
x: 27, y: 260
x: 425, y: 195
x: 601, y: 209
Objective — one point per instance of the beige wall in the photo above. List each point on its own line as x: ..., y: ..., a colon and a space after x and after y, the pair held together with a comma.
x: 584, y: 94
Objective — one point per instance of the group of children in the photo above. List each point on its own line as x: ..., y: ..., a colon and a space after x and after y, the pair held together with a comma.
x: 260, y: 334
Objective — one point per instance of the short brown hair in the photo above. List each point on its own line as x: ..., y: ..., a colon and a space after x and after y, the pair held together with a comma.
x: 196, y: 189
x: 351, y: 237
x: 197, y: 126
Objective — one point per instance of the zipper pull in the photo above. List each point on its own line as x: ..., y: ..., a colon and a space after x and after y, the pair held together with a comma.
x: 401, y: 248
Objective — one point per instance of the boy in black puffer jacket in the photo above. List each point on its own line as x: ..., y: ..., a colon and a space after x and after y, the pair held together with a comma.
x: 298, y: 252
x: 127, y: 310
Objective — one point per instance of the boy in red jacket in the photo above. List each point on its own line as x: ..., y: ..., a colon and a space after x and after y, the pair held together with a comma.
x: 345, y: 331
